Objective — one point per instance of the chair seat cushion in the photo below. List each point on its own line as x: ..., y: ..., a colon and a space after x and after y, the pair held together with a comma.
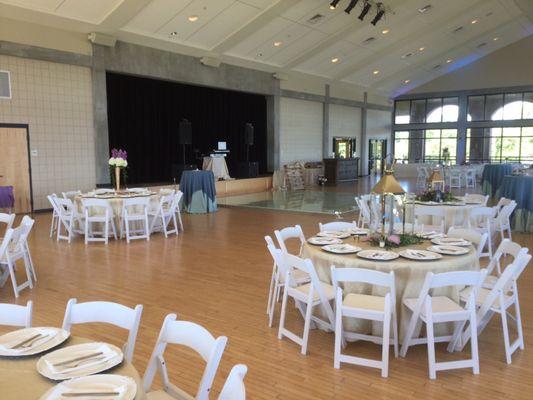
x: 439, y: 304
x: 364, y: 301
x: 482, y: 295
x: 490, y: 281
x: 329, y: 291
x: 162, y: 395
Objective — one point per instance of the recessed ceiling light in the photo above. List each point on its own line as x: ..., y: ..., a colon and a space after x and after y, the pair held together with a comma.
x: 385, y: 31
x: 424, y: 9
x: 278, y: 43
x: 449, y: 60
x: 335, y: 60
x: 496, y: 39
x: 193, y: 18
x: 407, y: 81
x: 421, y: 48
x: 474, y: 21
x: 375, y: 72
x: 173, y: 34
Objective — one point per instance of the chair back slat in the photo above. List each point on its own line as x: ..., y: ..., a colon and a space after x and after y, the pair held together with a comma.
x: 15, y: 315
x: 336, y: 226
x: 291, y: 232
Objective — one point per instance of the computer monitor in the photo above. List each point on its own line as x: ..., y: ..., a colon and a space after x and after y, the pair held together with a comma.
x: 222, y: 146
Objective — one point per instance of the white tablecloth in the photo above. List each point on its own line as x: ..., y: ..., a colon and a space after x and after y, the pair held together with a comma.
x: 218, y: 166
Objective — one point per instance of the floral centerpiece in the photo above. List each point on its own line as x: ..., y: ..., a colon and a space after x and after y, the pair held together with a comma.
x: 390, y: 241
x: 117, y: 164
x: 436, y: 195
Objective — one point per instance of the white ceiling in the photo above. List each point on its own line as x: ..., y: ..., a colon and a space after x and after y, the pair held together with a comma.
x: 243, y: 32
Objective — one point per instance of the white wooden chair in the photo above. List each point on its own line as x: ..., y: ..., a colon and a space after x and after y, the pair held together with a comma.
x: 479, y: 240
x: 498, y: 300
x: 432, y: 212
x: 178, y: 196
x: 15, y: 315
x: 13, y: 249
x: 306, y: 296
x: 234, y: 388
x: 164, y: 214
x: 502, y: 222
x: 71, y: 195
x: 54, y: 224
x: 470, y: 178
x: 476, y: 198
x: 68, y: 218
x: 433, y: 309
x: 337, y: 226
x: 480, y: 219
x: 506, y: 249
x: 92, y: 210
x: 277, y: 281
x: 364, y: 212
x: 422, y: 176
x: 368, y: 307
x: 291, y: 232
x: 455, y: 178
x: 26, y: 220
x: 135, y: 210
x: 502, y: 202
x: 108, y: 313
x: 194, y: 337
x: 8, y: 220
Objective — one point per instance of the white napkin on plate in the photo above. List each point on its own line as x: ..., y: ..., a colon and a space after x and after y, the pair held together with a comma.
x: 107, y: 354
x: 48, y: 334
x: 65, y: 387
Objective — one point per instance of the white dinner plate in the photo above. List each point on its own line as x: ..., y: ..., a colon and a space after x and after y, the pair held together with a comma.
x: 119, y: 388
x: 449, y: 250
x: 420, y: 255
x: 322, y: 241
x: 449, y: 241
x: 341, y: 248
x: 356, y: 231
x: 378, y: 255
x: 86, y: 359
x: 334, y: 234
x: 31, y: 341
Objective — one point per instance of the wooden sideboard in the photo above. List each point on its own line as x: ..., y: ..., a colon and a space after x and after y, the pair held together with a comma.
x: 341, y: 170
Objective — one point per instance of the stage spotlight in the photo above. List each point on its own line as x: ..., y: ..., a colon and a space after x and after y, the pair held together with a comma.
x: 379, y: 15
x: 333, y: 4
x: 366, y: 9
x: 351, y: 6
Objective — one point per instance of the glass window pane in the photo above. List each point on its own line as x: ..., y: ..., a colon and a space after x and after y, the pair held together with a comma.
x: 527, y: 149
x: 527, y: 131
x: 401, y: 149
x: 477, y: 145
x: 450, y: 109
x: 402, y: 112
x: 495, y: 144
x: 476, y: 108
x: 416, y: 146
x: 401, y: 135
x: 434, y: 110
x: 527, y: 113
x: 418, y: 111
x: 513, y: 106
x: 449, y: 141
x: 494, y: 107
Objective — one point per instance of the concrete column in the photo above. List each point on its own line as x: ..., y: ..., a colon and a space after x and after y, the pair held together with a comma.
x: 101, y: 139
x: 461, y: 129
x: 325, y: 124
x: 363, y: 166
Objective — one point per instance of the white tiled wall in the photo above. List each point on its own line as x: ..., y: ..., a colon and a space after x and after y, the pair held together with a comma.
x: 300, y: 130
x: 56, y: 101
x: 344, y: 121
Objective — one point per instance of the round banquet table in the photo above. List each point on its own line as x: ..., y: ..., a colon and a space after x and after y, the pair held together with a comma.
x: 493, y: 176
x: 520, y: 189
x: 20, y: 380
x: 199, y: 192
x: 409, y: 276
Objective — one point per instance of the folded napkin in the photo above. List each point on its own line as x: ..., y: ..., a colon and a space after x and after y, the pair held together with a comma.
x: 107, y: 354
x: 96, y: 387
x: 47, y: 335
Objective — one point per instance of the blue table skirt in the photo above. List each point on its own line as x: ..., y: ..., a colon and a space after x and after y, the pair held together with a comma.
x: 492, y: 177
x: 199, y: 192
x: 519, y: 189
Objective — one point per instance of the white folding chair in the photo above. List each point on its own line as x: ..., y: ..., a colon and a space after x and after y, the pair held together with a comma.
x: 194, y: 337
x: 364, y: 212
x: 498, y: 300
x: 506, y: 249
x: 109, y: 313
x: 71, y: 195
x: 291, y: 232
x: 8, y: 220
x: 470, y: 178
x: 480, y: 220
x: 135, y: 210
x: 28, y: 222
x: 455, y: 178
x: 368, y: 307
x: 336, y: 226
x: 432, y: 309
x: 234, y: 386
x: 476, y: 198
x: 13, y: 249
x: 502, y: 222
x: 422, y: 176
x: 68, y: 218
x: 277, y: 281
x: 164, y: 214
x: 430, y: 212
x: 479, y: 240
x: 306, y: 296
x: 54, y: 224
x: 178, y: 196
x: 502, y: 202
x: 98, y: 211
x: 15, y: 315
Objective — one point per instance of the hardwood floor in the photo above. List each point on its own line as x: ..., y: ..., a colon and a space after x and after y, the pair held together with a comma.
x: 217, y: 274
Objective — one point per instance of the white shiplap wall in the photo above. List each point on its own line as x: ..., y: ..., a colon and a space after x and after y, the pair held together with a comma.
x: 344, y: 121
x: 301, y: 127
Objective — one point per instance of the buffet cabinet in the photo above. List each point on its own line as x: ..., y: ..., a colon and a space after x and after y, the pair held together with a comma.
x: 341, y: 170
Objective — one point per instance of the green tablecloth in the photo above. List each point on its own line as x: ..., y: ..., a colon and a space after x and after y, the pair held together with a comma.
x: 199, y: 192
x: 520, y: 189
x: 493, y: 176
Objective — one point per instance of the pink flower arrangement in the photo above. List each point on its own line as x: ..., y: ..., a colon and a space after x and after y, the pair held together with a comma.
x: 394, y: 239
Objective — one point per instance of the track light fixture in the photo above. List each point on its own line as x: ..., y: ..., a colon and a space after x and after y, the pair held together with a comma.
x: 333, y: 4
x: 366, y: 9
x: 379, y: 14
x: 351, y: 6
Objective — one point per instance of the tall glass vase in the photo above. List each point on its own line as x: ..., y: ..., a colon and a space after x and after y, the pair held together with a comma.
x: 117, y: 179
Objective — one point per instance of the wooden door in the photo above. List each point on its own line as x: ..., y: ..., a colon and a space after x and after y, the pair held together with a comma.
x: 15, y: 165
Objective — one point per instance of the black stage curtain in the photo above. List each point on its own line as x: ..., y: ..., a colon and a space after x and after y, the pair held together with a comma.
x: 144, y: 115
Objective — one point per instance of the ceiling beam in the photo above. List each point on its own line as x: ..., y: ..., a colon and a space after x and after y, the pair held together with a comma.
x: 526, y: 6
x: 254, y: 25
x: 122, y: 14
